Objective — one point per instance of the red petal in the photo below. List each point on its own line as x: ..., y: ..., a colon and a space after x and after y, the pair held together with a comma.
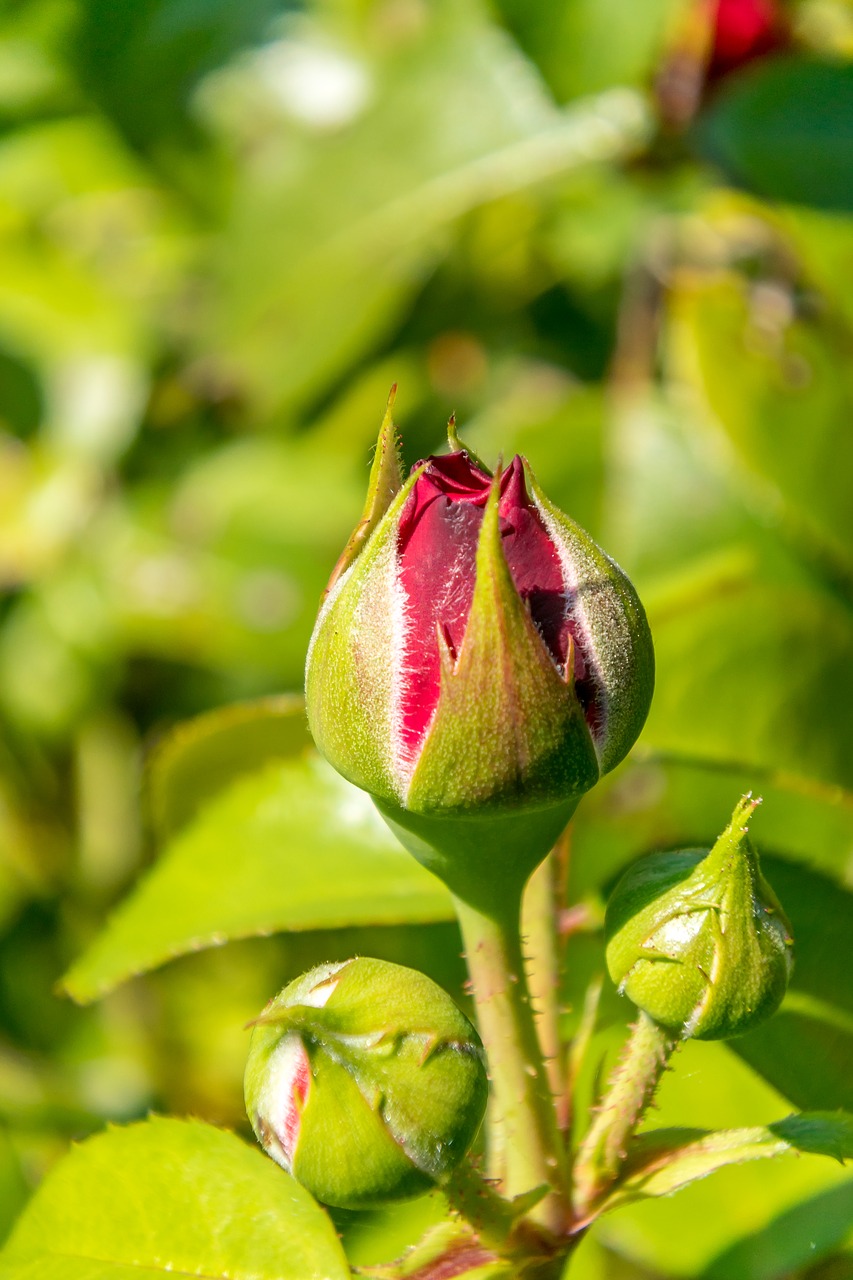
x: 292, y: 1114
x: 438, y: 534
x: 744, y: 30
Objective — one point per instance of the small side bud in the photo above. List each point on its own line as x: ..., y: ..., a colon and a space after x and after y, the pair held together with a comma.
x: 698, y: 940
x: 366, y: 1082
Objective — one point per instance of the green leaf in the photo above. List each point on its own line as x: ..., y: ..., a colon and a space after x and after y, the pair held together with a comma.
x: 13, y: 1185
x: 741, y: 670
x: 328, y: 240
x: 805, y: 1051
x: 680, y: 1235
x: 762, y: 389
x: 253, y: 546
x: 798, y: 1237
x: 291, y: 847
x: 171, y: 1197
x: 142, y: 60
x: 785, y: 131
x: 665, y: 1160
x: 200, y: 757
x: 746, y: 646
x: 586, y: 45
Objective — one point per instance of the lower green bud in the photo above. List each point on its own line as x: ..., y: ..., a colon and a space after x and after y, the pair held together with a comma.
x: 697, y: 938
x: 366, y: 1082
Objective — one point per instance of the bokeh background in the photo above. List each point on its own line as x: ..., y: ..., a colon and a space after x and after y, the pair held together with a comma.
x: 616, y: 237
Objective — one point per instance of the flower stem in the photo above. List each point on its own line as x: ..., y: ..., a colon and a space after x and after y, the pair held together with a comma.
x: 631, y: 1088
x: 477, y: 1201
x: 542, y: 949
x: 525, y: 1148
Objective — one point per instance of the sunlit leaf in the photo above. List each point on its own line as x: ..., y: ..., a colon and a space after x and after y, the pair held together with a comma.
x: 777, y: 384
x: 202, y: 756
x: 662, y: 1161
x: 171, y: 1197
x: 586, y: 45
x: 330, y: 237
x: 292, y: 847
x: 740, y: 672
x: 13, y: 1185
x: 800, y: 1236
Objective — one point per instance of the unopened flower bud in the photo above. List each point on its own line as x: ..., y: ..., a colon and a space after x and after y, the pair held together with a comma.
x: 477, y: 653
x: 366, y: 1082
x: 698, y: 940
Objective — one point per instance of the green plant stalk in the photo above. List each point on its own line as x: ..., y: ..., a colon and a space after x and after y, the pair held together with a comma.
x: 542, y: 951
x: 632, y: 1086
x: 525, y: 1150
x: 476, y: 1200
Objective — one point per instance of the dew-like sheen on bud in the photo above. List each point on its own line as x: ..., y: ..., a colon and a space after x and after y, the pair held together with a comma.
x: 366, y: 1082
x: 698, y: 939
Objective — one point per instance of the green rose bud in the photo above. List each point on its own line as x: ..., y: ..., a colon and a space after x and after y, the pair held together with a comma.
x: 698, y: 939
x: 366, y: 1082
x: 477, y: 659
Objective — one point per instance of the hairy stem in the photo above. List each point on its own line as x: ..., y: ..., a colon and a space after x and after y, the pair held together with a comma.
x: 539, y: 924
x: 525, y: 1147
x: 631, y: 1088
x: 477, y: 1201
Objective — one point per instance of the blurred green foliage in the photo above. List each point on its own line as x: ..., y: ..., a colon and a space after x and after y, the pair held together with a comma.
x: 225, y: 230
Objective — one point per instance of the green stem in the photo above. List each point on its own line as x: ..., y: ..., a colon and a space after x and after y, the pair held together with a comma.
x: 527, y: 1152
x: 539, y: 926
x: 631, y: 1088
x: 475, y: 1199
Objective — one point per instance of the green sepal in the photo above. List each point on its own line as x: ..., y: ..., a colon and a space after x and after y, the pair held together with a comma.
x: 620, y: 642
x: 698, y: 939
x: 351, y: 662
x: 484, y: 858
x: 346, y: 1155
x: 386, y: 480
x: 457, y: 446
x: 508, y: 729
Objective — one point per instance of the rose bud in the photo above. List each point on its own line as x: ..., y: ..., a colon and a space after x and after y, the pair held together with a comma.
x: 477, y: 658
x: 709, y: 42
x: 743, y: 31
x: 698, y: 939
x: 366, y: 1082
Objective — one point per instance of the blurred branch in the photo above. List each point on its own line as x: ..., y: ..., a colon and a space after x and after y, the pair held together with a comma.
x: 602, y: 130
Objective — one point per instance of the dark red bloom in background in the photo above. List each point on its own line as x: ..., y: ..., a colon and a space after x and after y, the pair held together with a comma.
x: 742, y: 31
x: 711, y: 40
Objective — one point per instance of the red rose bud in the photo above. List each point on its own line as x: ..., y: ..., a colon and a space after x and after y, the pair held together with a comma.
x: 742, y: 31
x: 477, y: 654
x: 366, y: 1082
x: 698, y: 940
x: 710, y: 40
